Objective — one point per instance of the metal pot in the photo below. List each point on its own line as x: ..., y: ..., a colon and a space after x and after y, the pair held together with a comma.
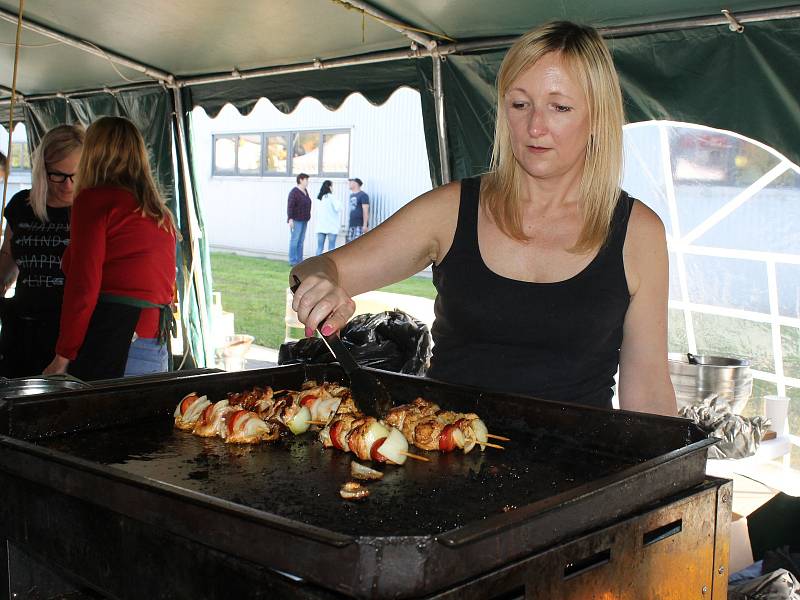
x: 696, y: 377
x: 29, y: 386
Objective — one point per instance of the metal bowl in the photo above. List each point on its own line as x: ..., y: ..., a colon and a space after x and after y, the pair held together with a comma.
x: 694, y: 381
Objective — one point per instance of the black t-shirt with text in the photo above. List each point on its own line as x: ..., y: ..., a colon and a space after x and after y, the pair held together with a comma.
x: 37, y: 249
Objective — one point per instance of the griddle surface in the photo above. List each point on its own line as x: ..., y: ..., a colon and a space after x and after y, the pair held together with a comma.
x: 298, y: 479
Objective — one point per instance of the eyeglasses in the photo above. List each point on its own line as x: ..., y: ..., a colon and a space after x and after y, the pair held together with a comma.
x: 58, y: 177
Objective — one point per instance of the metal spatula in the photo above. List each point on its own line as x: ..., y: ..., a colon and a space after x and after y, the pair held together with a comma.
x: 369, y: 393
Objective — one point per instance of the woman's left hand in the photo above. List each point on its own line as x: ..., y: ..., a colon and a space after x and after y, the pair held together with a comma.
x: 57, y: 366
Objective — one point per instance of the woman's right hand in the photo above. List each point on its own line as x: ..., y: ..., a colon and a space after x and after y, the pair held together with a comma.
x: 320, y: 302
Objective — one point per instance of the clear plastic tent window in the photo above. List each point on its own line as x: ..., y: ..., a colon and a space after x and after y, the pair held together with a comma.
x: 731, y: 208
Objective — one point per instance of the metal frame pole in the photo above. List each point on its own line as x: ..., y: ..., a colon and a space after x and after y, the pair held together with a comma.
x: 391, y: 22
x: 193, y: 229
x: 441, y: 125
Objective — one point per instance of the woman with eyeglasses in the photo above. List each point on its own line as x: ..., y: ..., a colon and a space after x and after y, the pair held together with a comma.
x: 120, y: 265
x: 36, y: 234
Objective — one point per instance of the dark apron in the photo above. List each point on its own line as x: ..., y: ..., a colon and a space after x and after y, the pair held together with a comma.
x: 27, y: 341
x: 104, y: 352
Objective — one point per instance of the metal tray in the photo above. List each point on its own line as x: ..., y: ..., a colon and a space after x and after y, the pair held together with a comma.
x: 425, y: 527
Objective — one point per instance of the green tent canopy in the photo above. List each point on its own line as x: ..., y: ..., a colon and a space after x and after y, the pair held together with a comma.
x: 155, y: 61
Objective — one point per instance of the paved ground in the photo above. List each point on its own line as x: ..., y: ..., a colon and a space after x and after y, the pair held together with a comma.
x: 259, y: 357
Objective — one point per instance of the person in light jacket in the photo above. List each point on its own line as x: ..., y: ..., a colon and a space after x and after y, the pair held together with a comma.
x: 329, y: 212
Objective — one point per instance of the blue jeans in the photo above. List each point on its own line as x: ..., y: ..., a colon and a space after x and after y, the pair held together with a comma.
x: 321, y: 242
x: 354, y: 232
x: 145, y: 356
x: 296, y: 238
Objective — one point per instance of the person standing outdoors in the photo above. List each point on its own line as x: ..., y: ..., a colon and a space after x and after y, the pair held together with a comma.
x: 36, y: 235
x: 298, y: 211
x: 548, y: 275
x: 120, y: 263
x: 328, y: 219
x: 359, y: 210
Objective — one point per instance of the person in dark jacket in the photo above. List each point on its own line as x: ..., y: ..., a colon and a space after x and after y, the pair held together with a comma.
x: 298, y: 211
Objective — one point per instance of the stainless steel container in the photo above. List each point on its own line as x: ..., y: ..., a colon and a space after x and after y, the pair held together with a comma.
x: 694, y: 381
x: 29, y: 386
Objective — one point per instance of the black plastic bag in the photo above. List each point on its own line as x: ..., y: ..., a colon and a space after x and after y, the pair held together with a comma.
x: 782, y: 558
x: 391, y: 340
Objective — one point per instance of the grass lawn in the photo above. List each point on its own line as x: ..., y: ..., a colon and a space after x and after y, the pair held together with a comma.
x: 254, y: 289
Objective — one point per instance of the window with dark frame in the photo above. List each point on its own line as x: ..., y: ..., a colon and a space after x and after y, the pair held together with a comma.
x: 324, y: 153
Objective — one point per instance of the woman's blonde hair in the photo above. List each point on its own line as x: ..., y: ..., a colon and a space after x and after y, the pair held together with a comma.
x: 584, y: 51
x: 115, y: 155
x: 56, y: 145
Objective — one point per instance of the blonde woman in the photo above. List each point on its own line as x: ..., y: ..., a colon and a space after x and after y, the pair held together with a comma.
x: 120, y: 265
x: 36, y: 235
x: 548, y: 275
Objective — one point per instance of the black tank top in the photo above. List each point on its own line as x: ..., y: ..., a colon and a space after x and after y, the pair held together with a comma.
x: 555, y: 341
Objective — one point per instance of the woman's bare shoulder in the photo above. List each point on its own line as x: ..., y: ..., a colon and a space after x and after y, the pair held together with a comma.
x: 644, y: 226
x: 442, y: 197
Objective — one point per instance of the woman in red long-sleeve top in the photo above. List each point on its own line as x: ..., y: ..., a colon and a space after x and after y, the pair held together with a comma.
x: 120, y: 264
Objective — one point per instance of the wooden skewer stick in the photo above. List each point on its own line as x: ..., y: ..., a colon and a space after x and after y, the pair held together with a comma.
x: 415, y: 456
x: 317, y: 422
x: 498, y: 446
x: 498, y: 437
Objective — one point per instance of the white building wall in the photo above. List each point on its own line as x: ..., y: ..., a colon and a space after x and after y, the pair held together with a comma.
x: 248, y: 214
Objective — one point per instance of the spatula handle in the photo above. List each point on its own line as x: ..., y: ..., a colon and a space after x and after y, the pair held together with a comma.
x: 340, y: 352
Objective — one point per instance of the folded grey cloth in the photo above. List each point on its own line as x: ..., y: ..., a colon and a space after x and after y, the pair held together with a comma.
x: 740, y: 436
x: 778, y: 585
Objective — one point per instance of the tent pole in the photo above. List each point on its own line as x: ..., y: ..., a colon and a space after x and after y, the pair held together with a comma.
x: 85, y: 46
x: 348, y: 61
x: 8, y: 90
x: 391, y: 22
x: 193, y: 227
x: 441, y: 126
x: 79, y: 93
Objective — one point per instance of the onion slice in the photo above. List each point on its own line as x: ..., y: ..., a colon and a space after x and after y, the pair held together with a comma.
x: 299, y: 423
x: 191, y: 412
x: 352, y: 490
x: 481, y: 432
x: 363, y: 472
x: 394, y: 447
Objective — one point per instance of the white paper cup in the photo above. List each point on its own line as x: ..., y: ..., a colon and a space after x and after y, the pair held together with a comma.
x: 776, y: 409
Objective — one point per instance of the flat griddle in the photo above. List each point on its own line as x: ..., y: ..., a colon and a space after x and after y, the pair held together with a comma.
x: 425, y: 526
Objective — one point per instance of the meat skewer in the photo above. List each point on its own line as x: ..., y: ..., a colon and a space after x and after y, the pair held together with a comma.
x: 425, y: 425
x: 246, y: 427
x: 212, y: 420
x: 366, y: 437
x: 421, y: 422
x: 282, y: 407
x: 233, y: 423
